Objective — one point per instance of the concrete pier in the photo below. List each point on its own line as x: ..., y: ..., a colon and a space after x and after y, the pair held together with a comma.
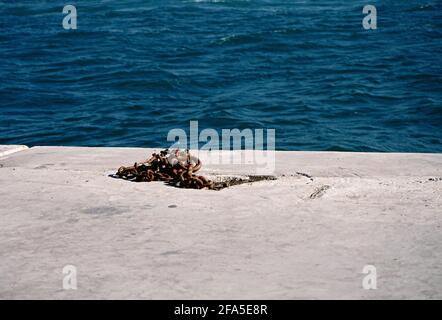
x: 307, y: 234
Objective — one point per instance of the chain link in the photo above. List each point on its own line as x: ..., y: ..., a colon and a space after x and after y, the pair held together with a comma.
x: 175, y: 167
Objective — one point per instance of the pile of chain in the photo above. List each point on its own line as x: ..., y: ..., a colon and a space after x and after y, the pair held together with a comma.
x: 175, y: 167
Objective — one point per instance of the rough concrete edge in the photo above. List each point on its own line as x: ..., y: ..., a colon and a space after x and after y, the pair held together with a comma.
x: 307, y: 152
x: 16, y: 148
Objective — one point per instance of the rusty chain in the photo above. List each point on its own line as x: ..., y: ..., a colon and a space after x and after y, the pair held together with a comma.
x: 175, y: 167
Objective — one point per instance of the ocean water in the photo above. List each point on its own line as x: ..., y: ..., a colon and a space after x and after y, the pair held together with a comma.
x: 135, y: 69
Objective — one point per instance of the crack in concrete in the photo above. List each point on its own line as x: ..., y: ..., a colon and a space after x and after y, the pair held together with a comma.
x: 319, y: 192
x: 305, y: 175
x: 226, y: 182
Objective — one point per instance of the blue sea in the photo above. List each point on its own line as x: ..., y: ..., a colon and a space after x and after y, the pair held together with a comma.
x: 135, y: 69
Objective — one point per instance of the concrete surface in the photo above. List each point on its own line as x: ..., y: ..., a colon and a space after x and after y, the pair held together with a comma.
x: 308, y: 234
